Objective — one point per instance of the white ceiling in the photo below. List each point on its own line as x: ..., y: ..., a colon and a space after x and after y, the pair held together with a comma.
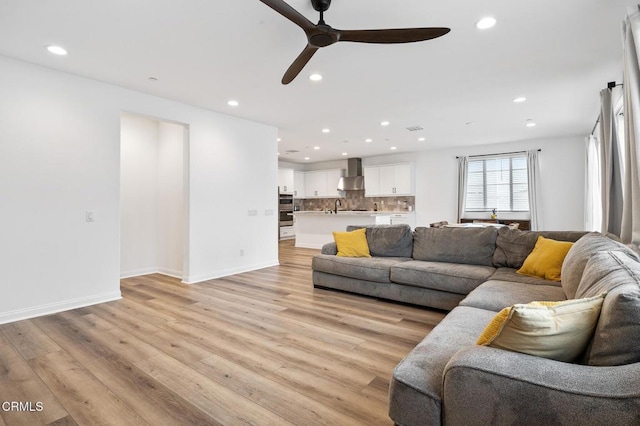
x: 559, y: 54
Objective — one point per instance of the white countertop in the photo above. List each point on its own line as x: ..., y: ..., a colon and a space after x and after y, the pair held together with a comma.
x: 349, y: 213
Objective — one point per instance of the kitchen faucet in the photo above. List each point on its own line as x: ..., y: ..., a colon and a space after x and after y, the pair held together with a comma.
x: 336, y: 204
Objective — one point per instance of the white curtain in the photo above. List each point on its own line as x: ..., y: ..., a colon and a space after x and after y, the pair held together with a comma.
x: 462, y: 185
x: 630, y: 214
x: 593, y: 196
x: 533, y: 170
x: 610, y: 165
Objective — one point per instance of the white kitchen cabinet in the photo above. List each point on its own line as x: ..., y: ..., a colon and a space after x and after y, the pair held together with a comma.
x: 298, y: 184
x: 388, y: 180
x: 285, y: 181
x: 371, y: 181
x: 333, y: 177
x: 322, y: 183
x: 315, y: 184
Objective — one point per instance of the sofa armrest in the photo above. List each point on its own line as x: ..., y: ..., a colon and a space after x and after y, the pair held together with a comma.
x: 484, y: 385
x: 330, y: 248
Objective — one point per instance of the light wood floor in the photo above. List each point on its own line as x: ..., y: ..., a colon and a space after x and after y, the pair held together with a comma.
x: 262, y: 348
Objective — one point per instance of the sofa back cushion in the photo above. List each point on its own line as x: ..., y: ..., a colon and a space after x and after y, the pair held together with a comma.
x: 388, y: 240
x: 471, y: 246
x: 582, y: 250
x: 617, y: 334
x: 513, y: 245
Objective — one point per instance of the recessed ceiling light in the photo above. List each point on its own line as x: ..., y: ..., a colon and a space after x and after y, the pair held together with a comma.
x: 57, y: 50
x: 486, y: 23
x: 278, y: 153
x: 519, y: 99
x: 531, y: 124
x: 233, y: 103
x: 306, y: 158
x: 344, y: 153
x: 368, y: 140
x: 421, y: 139
x: 316, y: 148
x: 393, y: 148
x: 315, y: 77
x: 279, y: 140
x: 326, y: 130
x: 384, y: 123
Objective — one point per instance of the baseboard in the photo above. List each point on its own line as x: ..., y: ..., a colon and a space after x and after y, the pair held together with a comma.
x: 137, y: 272
x: 52, y: 308
x: 193, y: 279
x: 146, y: 271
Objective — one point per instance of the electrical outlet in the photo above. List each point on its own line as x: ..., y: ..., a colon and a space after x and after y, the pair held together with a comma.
x: 241, y: 252
x: 90, y: 216
x: 252, y: 212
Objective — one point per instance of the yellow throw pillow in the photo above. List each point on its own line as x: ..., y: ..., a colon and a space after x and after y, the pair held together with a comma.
x: 352, y: 244
x: 545, y: 261
x: 555, y: 330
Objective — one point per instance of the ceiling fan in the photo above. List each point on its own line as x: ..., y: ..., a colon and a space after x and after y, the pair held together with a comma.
x: 322, y: 35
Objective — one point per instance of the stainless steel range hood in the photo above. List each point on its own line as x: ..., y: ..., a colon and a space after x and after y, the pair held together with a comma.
x: 354, y: 180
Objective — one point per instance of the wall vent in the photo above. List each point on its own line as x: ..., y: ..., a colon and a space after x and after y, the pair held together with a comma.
x: 292, y: 151
x: 414, y: 128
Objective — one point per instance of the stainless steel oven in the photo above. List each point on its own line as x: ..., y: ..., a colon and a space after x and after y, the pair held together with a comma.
x: 285, y: 208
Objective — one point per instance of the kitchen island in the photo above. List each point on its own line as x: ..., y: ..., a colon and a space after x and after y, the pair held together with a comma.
x: 314, y: 229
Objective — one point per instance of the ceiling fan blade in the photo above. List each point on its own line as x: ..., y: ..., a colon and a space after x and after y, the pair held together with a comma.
x: 401, y: 35
x: 290, y: 13
x: 298, y: 64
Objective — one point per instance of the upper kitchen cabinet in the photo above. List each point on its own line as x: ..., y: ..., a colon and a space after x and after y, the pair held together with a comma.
x: 388, y: 180
x: 298, y: 184
x: 285, y: 181
x: 322, y: 183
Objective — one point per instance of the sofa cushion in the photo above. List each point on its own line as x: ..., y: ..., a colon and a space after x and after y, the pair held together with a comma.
x: 615, y: 341
x: 470, y: 246
x: 545, y: 260
x: 451, y: 277
x: 495, y: 295
x: 510, y: 274
x: 388, y: 240
x: 416, y: 386
x: 555, y: 330
x: 370, y: 269
x: 582, y: 250
x: 513, y: 245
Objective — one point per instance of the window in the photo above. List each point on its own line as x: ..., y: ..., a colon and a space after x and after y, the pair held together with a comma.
x: 497, y: 182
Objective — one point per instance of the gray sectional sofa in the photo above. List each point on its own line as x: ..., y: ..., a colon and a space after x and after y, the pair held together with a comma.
x: 471, y: 272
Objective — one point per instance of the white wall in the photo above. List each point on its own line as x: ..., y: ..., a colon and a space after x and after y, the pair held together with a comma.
x: 172, y: 226
x: 139, y: 226
x: 152, y: 223
x: 562, y: 173
x: 60, y: 156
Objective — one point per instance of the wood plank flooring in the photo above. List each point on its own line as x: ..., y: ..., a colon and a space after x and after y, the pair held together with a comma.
x: 262, y: 348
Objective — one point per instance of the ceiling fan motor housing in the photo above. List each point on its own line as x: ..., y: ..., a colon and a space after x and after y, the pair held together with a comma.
x: 321, y: 5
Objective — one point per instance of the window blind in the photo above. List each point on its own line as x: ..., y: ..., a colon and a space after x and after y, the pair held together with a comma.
x: 499, y: 182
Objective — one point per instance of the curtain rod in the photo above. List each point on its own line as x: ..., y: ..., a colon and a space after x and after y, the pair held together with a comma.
x: 500, y: 153
x: 610, y: 85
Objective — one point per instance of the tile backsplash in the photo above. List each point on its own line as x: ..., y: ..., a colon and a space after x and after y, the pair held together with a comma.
x: 355, y: 200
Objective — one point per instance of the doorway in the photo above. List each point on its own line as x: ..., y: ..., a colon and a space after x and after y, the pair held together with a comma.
x: 153, y: 196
